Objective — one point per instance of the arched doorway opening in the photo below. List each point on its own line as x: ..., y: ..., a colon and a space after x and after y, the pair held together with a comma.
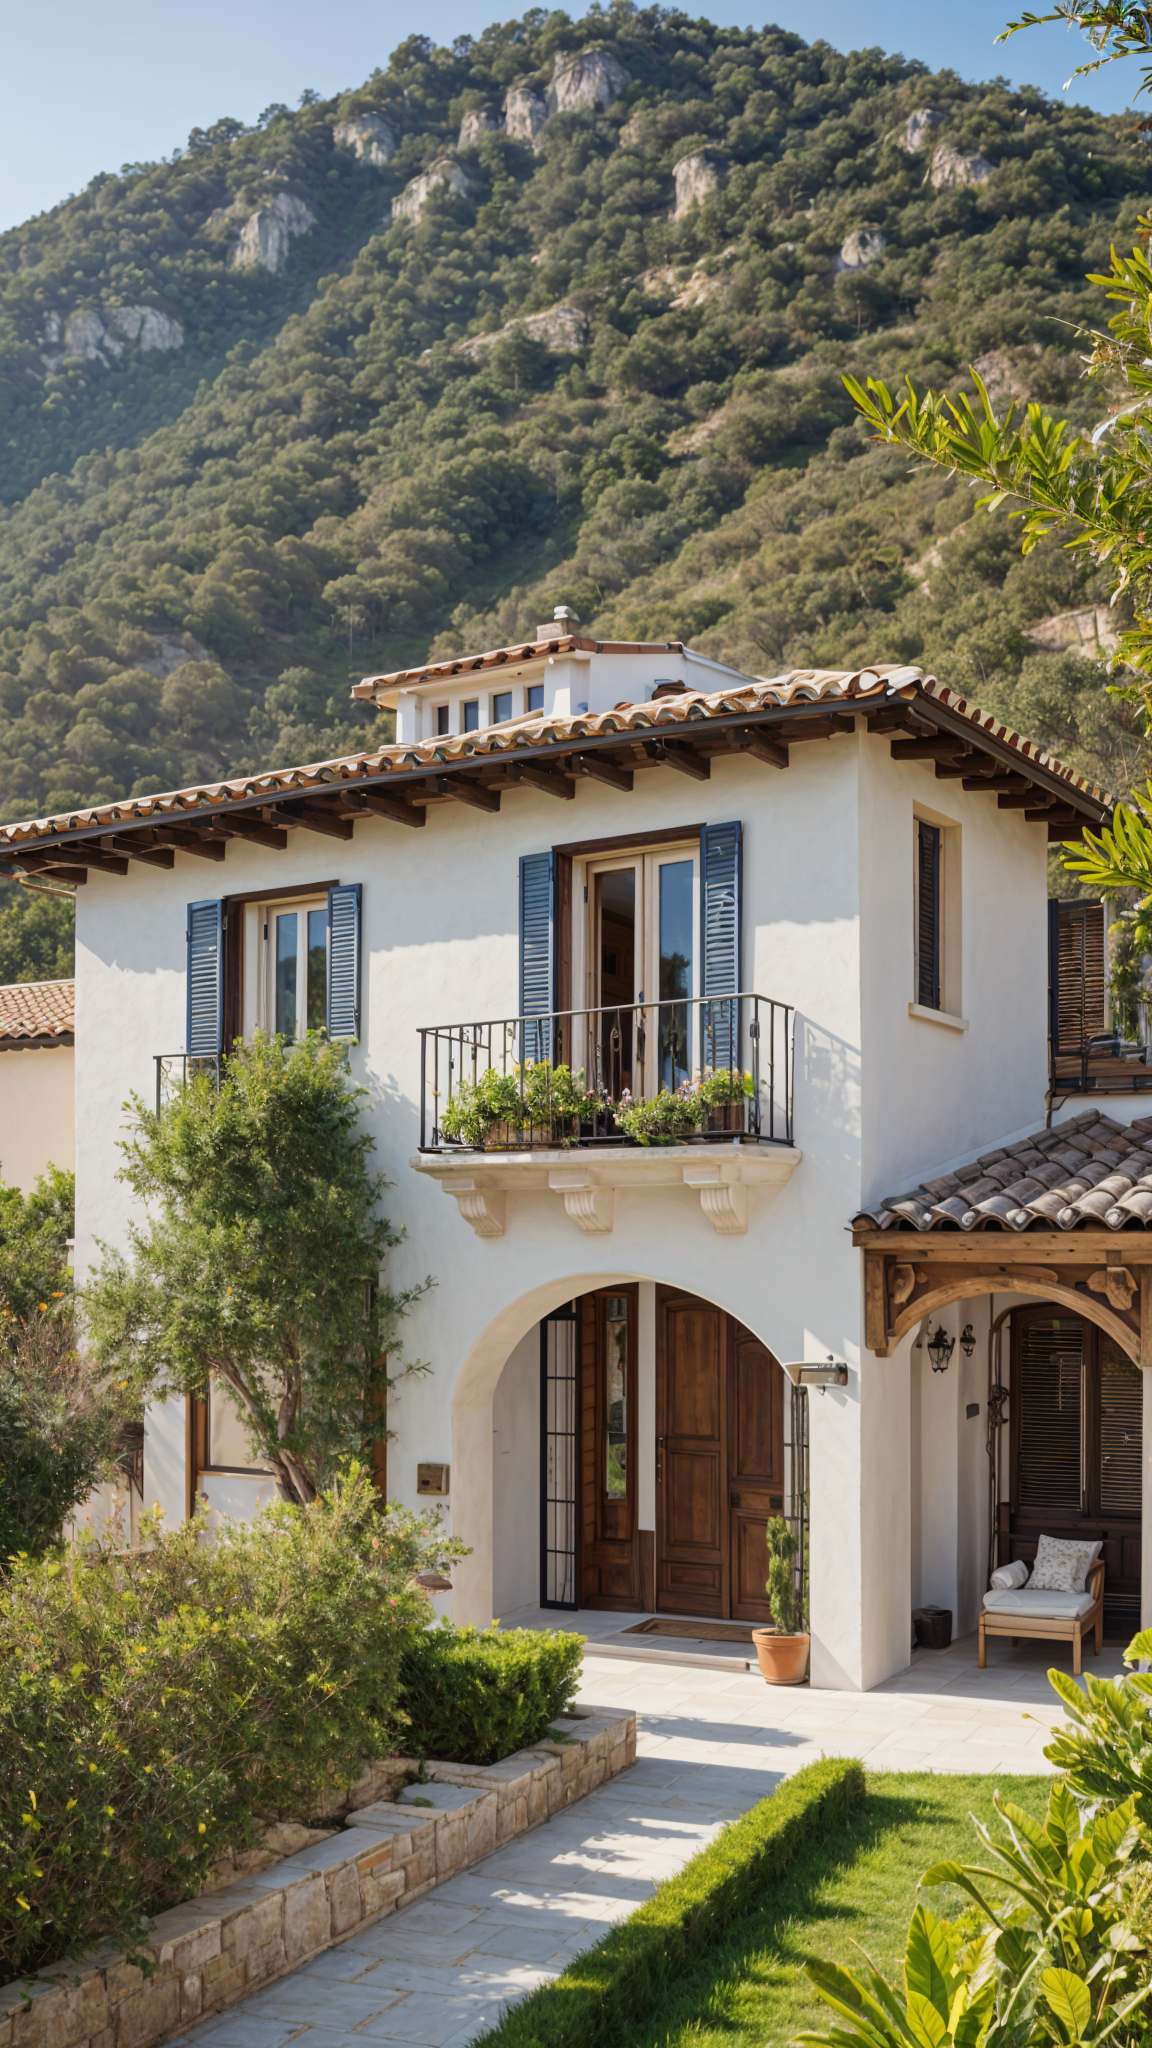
x: 668, y: 1436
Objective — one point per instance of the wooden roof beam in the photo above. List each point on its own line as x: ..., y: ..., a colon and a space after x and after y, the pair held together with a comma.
x: 760, y: 746
x: 84, y: 855
x: 598, y: 768
x: 535, y: 777
x: 465, y: 791
x: 1056, y: 814
x: 940, y: 747
x: 675, y: 755
x: 312, y: 819
x: 998, y: 782
x: 75, y: 875
x: 1024, y: 799
x: 188, y: 842
x: 238, y: 825
x: 392, y: 807
x: 136, y: 847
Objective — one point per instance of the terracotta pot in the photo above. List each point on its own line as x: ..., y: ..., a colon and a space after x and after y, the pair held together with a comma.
x: 724, y: 1116
x: 783, y: 1659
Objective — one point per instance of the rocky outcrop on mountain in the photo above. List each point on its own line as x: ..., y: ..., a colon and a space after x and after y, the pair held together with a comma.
x: 958, y: 167
x: 695, y: 177
x: 410, y: 203
x: 862, y: 247
x: 267, y: 235
x: 591, y: 78
x: 562, y: 328
x: 102, y: 336
x: 480, y: 121
x: 525, y: 113
x: 1002, y: 375
x: 1094, y: 632
x: 368, y: 137
x: 920, y: 127
x: 170, y: 651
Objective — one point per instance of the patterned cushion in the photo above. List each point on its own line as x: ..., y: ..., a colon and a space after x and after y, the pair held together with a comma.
x: 1060, y: 1565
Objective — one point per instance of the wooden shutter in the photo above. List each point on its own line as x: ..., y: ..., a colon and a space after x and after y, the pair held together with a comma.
x: 537, y: 951
x: 721, y: 864
x: 1077, y: 997
x: 1051, y: 1377
x: 344, y: 961
x: 1121, y: 1431
x: 205, y: 1019
x: 927, y: 915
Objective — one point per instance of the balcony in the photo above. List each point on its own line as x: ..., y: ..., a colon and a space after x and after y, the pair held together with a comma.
x: 1116, y: 1062
x: 688, y: 1092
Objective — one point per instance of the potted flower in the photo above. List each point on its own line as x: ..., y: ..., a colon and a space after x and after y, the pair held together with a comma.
x: 489, y: 1112
x: 664, y: 1119
x: 556, y: 1101
x: 783, y: 1650
x: 723, y: 1095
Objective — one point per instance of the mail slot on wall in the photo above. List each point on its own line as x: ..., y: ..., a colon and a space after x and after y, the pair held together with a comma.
x: 432, y: 1478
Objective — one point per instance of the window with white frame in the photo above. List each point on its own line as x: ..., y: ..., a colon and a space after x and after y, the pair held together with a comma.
x: 295, y: 967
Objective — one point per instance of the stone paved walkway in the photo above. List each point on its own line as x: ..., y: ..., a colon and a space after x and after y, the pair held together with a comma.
x: 712, y: 1742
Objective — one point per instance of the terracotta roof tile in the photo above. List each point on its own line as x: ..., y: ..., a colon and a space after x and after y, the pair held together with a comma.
x: 37, y: 1009
x: 867, y: 687
x: 1089, y: 1172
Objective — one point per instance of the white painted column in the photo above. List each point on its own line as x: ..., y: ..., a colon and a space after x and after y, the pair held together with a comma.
x: 166, y: 1459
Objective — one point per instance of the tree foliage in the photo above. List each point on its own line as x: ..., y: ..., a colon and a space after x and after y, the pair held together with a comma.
x: 256, y: 1270
x: 37, y: 936
x: 62, y: 1428
x: 202, y: 544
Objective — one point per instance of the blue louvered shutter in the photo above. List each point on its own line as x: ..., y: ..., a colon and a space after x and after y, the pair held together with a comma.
x: 721, y: 856
x: 536, y: 951
x: 344, y: 961
x: 205, y: 1021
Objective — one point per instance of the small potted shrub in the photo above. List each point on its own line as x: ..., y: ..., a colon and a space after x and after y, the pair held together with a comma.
x: 665, y: 1119
x: 783, y: 1650
x: 723, y: 1095
x: 557, y: 1103
x: 490, y: 1112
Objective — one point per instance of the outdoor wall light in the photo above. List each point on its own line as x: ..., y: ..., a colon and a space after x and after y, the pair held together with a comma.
x: 829, y: 1375
x: 940, y: 1349
x: 967, y: 1340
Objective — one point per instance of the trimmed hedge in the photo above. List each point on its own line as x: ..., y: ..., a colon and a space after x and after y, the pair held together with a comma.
x: 618, y: 1980
x: 473, y: 1695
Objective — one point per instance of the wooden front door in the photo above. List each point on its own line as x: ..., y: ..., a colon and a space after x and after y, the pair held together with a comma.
x: 719, y: 1460
x: 609, y: 1546
x: 692, y: 1565
x: 755, y: 1468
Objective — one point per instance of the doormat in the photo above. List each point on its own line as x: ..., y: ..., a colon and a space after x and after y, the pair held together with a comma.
x: 701, y: 1631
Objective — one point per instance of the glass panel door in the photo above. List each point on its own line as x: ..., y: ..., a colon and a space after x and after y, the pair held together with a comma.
x: 675, y: 894
x: 296, y: 943
x: 617, y: 915
x: 559, y: 1412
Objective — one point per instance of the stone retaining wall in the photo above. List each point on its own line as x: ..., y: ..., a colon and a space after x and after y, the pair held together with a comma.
x: 214, y: 1950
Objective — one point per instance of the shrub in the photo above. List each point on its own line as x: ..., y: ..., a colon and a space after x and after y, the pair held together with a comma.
x: 662, y: 1120
x: 781, y: 1586
x: 34, y: 1233
x: 152, y: 1703
x: 62, y: 1425
x: 475, y: 1695
x: 617, y: 1981
x: 1106, y: 1753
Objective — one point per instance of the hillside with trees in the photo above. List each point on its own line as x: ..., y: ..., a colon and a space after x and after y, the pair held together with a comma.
x: 559, y: 314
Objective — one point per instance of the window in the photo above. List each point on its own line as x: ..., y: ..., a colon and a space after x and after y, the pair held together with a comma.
x: 640, y: 948
x: 442, y: 716
x: 616, y: 1397
x: 927, y: 915
x: 470, y: 715
x: 296, y: 953
x: 535, y: 697
x: 501, y: 706
x: 228, y: 1445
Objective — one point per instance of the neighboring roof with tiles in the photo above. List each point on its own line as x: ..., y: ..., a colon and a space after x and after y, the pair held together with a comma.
x: 869, y: 689
x: 1089, y: 1172
x: 36, y: 1011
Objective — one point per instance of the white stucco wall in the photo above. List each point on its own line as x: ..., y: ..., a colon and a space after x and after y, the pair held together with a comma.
x: 827, y: 927
x: 37, y: 1113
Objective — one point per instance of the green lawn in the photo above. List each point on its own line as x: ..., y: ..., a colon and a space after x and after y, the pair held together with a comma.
x: 859, y: 1886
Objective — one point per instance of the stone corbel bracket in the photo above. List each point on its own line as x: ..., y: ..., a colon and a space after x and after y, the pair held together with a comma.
x: 721, y: 1175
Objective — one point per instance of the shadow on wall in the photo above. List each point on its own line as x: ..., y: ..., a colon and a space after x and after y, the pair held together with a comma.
x: 827, y: 1098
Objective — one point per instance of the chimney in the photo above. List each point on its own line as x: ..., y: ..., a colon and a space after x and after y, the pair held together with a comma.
x: 563, y: 621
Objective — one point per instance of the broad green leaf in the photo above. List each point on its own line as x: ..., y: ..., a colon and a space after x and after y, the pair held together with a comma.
x: 1062, y: 1820
x: 928, y: 2026
x: 928, y: 1962
x: 1069, y: 1999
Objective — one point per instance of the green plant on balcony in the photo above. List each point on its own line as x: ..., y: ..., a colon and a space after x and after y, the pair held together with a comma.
x: 726, y: 1084
x: 664, y: 1119
x: 536, y: 1103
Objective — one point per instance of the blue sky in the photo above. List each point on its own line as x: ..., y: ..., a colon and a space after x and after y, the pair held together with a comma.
x: 85, y: 88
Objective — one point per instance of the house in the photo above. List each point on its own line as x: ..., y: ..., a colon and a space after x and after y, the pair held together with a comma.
x: 825, y: 893
x: 37, y: 1080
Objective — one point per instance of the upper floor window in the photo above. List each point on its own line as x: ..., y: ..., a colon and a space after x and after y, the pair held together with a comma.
x: 470, y: 715
x: 928, y: 933
x: 936, y: 919
x: 443, y: 716
x: 535, y: 697
x: 297, y: 940
x: 501, y: 706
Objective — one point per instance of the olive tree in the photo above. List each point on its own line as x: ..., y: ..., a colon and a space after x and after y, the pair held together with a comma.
x: 256, y: 1265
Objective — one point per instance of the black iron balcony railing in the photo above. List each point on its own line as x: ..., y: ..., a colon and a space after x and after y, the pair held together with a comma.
x: 175, y: 1069
x: 686, y: 1070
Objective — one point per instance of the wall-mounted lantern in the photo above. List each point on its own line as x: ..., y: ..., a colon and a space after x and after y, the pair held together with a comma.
x: 967, y: 1340
x: 940, y: 1349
